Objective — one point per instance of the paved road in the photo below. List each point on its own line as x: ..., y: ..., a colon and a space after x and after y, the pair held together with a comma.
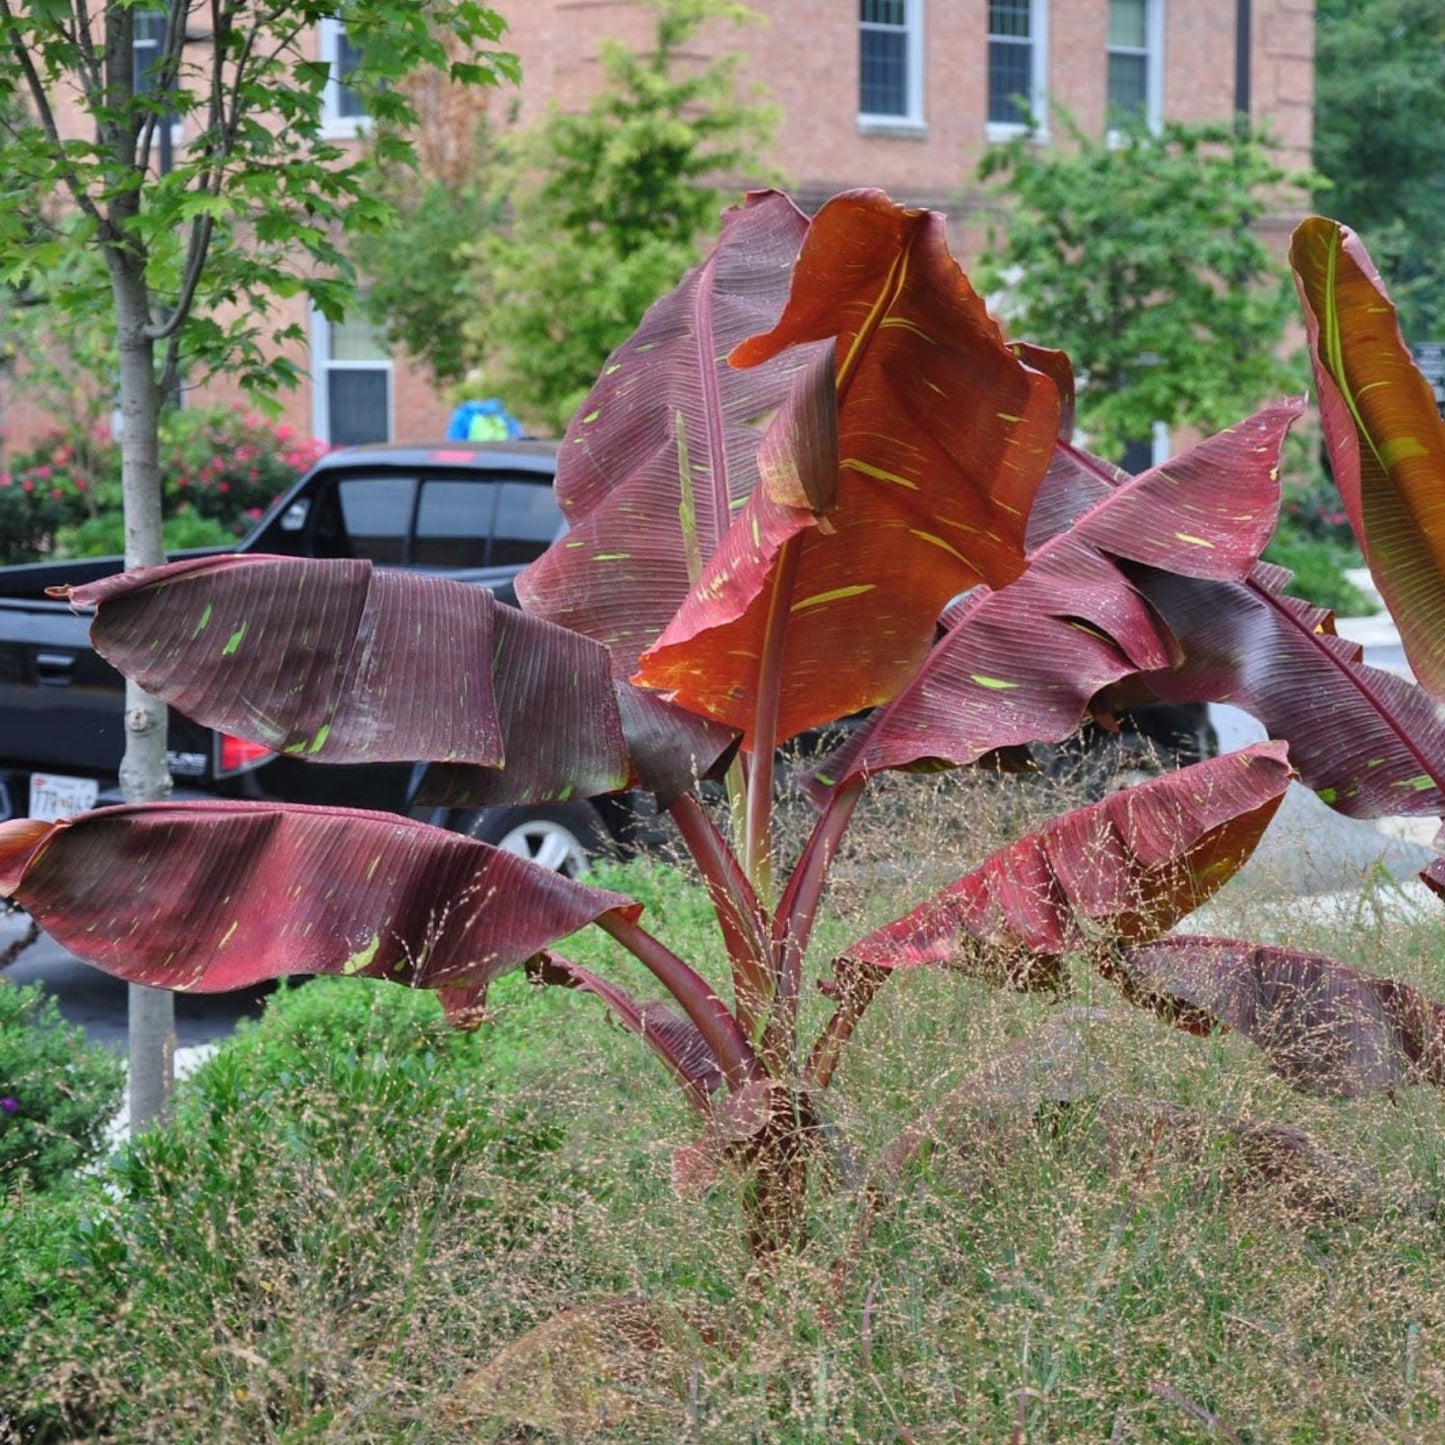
x: 96, y: 1001
x: 1308, y: 850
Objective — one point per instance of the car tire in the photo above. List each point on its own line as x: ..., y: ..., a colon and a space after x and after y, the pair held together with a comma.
x: 564, y: 837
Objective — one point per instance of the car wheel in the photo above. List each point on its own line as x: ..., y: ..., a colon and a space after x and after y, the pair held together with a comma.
x: 563, y: 837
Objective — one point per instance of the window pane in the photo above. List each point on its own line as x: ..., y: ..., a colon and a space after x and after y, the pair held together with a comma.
x: 356, y: 339
x: 348, y: 57
x: 1010, y: 77
x: 1128, y: 76
x: 377, y: 515
x: 1128, y: 27
x: 453, y: 524
x: 883, y: 73
x: 357, y: 406
x: 883, y: 12
x: 1009, y: 17
x: 528, y: 519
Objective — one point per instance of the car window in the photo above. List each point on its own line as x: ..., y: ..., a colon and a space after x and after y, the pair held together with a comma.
x: 377, y: 514
x: 528, y: 519
x: 453, y: 524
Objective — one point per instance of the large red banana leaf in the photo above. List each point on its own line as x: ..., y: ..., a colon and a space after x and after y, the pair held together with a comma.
x: 1124, y: 869
x: 944, y: 436
x: 1021, y: 664
x: 339, y: 662
x: 1384, y: 432
x: 1324, y: 1027
x: 1370, y: 743
x: 219, y: 895
x: 663, y: 450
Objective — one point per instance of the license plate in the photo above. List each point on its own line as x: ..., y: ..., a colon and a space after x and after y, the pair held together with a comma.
x: 54, y: 796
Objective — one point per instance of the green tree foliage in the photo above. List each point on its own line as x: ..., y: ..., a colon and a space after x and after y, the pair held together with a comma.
x: 1379, y: 132
x: 178, y: 248
x: 608, y: 208
x: 417, y: 287
x: 1136, y: 256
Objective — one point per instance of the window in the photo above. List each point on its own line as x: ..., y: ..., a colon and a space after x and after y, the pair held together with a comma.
x: 453, y: 524
x: 890, y: 62
x: 441, y: 522
x: 148, y: 43
x: 1017, y: 65
x: 351, y: 376
x: 1135, y: 69
x: 343, y: 110
x: 376, y: 514
x: 528, y: 522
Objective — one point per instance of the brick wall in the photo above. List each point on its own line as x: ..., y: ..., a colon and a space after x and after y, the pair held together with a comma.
x: 803, y: 56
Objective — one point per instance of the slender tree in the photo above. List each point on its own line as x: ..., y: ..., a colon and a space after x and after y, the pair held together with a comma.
x: 176, y: 157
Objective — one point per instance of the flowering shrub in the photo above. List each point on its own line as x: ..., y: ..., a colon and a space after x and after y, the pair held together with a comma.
x: 219, y: 466
x: 230, y: 465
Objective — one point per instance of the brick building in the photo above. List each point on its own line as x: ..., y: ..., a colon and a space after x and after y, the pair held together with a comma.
x: 902, y: 94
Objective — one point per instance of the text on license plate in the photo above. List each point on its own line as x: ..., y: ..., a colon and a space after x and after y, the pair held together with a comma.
x: 53, y: 796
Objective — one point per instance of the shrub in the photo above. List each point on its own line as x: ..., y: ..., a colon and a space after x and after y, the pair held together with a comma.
x: 28, y: 520
x: 104, y: 535
x: 230, y: 465
x: 1319, y: 564
x: 57, y: 1093
x: 267, y: 1253
x: 220, y: 469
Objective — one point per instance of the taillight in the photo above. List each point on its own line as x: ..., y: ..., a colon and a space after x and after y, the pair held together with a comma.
x: 236, y: 755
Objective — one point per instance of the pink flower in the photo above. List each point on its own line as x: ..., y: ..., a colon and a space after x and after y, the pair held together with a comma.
x: 285, y: 432
x: 43, y: 473
x: 27, y: 485
x: 4, y: 479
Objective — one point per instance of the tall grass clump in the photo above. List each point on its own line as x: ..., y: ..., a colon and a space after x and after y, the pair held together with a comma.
x: 362, y: 1225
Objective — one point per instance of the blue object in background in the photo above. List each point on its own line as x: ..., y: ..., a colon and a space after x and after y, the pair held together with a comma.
x: 483, y: 421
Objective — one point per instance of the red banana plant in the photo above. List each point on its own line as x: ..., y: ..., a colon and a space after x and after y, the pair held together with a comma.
x: 814, y: 449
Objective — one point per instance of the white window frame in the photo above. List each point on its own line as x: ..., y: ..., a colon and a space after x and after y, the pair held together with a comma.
x: 1153, y: 67
x: 996, y: 130
x: 912, y: 118
x: 153, y: 45
x: 335, y: 125
x: 323, y: 366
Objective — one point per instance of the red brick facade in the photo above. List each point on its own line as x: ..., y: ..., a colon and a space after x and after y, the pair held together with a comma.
x: 803, y: 56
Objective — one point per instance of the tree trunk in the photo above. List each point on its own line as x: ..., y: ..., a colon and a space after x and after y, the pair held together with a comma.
x: 144, y: 775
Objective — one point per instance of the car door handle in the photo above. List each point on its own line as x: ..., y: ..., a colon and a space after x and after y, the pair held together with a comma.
x: 52, y: 669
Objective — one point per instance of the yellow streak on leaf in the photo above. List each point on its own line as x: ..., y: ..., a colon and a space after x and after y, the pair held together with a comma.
x: 868, y: 470
x: 362, y: 956
x: 1401, y: 449
x: 938, y: 542
x: 1195, y: 541
x: 838, y: 594
x: 907, y: 325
